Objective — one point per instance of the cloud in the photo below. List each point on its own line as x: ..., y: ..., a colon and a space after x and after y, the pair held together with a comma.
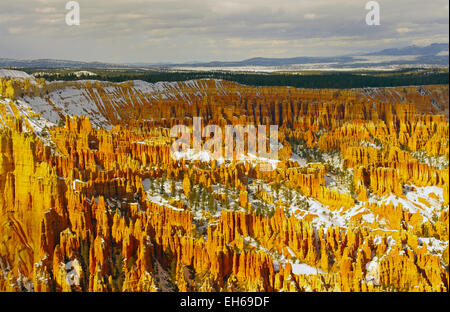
x: 15, y: 30
x: 310, y: 16
x: 179, y: 30
x: 45, y: 10
x: 403, y: 30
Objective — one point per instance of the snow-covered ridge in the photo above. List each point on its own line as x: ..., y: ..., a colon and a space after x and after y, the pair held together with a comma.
x: 106, y: 103
x: 8, y: 73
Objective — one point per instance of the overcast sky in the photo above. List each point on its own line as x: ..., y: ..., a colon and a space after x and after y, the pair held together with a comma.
x: 206, y: 30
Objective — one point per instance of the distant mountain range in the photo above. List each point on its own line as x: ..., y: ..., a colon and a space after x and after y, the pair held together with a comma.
x: 56, y: 64
x: 432, y: 49
x: 434, y: 55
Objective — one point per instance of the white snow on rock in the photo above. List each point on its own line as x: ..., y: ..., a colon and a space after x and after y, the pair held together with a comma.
x: 413, y: 204
x: 84, y: 73
x: 146, y: 184
x: 73, y: 272
x: 304, y: 269
x: 373, y: 271
x: 193, y: 155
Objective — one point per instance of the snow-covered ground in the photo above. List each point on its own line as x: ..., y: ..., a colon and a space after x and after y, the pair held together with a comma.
x: 9, y: 73
x: 426, y: 200
x: 84, y: 73
x: 32, y: 121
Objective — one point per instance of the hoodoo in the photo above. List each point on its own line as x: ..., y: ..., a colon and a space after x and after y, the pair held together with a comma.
x: 93, y: 199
